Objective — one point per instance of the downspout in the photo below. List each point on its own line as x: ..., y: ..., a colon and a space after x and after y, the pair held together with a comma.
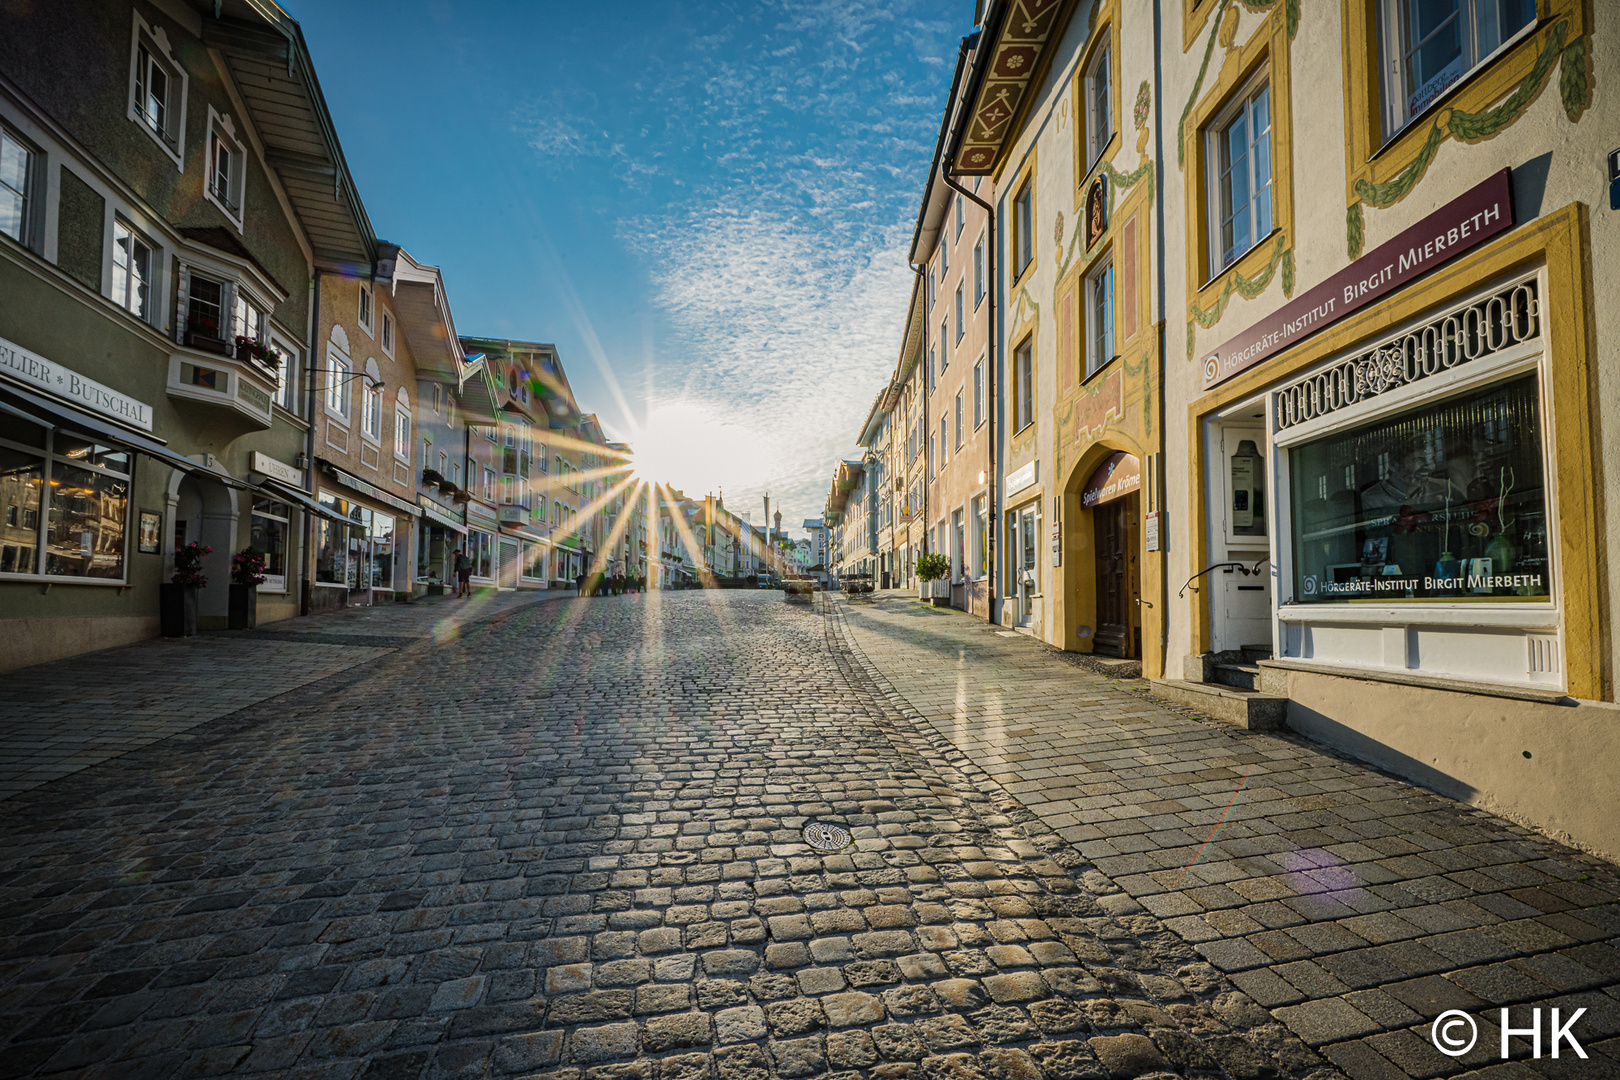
x: 306, y: 592
x: 1158, y: 473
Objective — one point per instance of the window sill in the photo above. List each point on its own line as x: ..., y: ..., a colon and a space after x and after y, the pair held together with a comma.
x: 54, y: 579
x: 1232, y: 266
x: 1430, y: 682
x: 1100, y: 369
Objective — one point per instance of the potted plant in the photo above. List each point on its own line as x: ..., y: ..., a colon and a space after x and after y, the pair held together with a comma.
x: 177, y: 600
x: 248, y: 348
x: 933, y: 569
x: 247, y: 574
x: 202, y: 332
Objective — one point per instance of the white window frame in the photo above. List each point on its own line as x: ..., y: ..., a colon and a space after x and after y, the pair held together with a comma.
x: 1392, y: 41
x: 959, y: 422
x: 961, y: 215
x: 154, y: 256
x: 961, y: 310
x: 1024, y: 228
x: 978, y: 273
x: 371, y: 405
x: 286, y: 392
x: 1099, y: 103
x: 365, y: 309
x: 402, y: 426
x: 1241, y: 108
x: 222, y: 139
x: 1102, y: 343
x: 978, y: 395
x: 34, y: 173
x: 154, y: 42
x: 339, y: 375
x: 387, y: 330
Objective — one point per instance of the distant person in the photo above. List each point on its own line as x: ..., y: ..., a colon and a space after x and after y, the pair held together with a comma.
x: 579, y: 584
x: 463, y: 566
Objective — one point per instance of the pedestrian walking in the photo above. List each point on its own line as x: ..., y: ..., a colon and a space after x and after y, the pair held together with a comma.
x: 579, y: 584
x: 463, y: 574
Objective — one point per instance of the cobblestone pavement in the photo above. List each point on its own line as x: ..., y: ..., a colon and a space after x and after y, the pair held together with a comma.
x: 1354, y: 906
x: 567, y: 843
x: 55, y: 721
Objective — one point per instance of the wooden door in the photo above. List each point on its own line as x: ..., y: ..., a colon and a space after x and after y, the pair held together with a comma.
x: 1116, y: 578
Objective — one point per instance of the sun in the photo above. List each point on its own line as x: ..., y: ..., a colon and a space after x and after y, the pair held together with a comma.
x: 687, y: 445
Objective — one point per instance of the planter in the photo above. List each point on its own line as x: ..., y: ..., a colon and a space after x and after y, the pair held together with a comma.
x: 244, y: 612
x: 177, y: 609
x: 208, y: 343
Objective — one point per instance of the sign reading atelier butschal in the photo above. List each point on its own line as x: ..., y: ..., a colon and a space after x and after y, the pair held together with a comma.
x: 1468, y: 220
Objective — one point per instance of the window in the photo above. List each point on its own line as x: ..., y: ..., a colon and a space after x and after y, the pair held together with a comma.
x: 131, y: 272
x: 978, y: 274
x: 1240, y: 180
x: 157, y: 90
x: 247, y: 321
x: 388, y: 333
x: 337, y: 384
x: 978, y: 393
x: 961, y: 314
x: 269, y: 535
x: 944, y: 434
x: 534, y: 562
x: 489, y: 484
x: 1023, y: 229
x: 438, y: 400
x: 66, y: 503
x: 933, y: 458
x: 18, y: 169
x: 928, y: 279
x: 1456, y: 507
x: 205, y: 307
x: 944, y: 353
x: 1430, y: 45
x: 981, y: 540
x: 365, y: 308
x: 958, y: 443
x: 944, y: 261
x: 286, y: 394
x: 1023, y: 385
x: 226, y: 167
x: 961, y: 216
x: 331, y: 544
x: 1099, y: 105
x: 371, y: 402
x: 1100, y: 315
x: 402, y: 426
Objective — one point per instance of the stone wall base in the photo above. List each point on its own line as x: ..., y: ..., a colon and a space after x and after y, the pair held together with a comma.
x: 39, y: 641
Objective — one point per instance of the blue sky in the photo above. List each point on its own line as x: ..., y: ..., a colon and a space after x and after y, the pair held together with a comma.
x: 706, y: 207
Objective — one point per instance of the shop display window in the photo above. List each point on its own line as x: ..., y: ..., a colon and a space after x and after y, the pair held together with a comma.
x: 331, y: 545
x: 270, y: 536
x: 1444, y: 502
x: 382, y: 551
x: 534, y: 562
x: 64, y: 503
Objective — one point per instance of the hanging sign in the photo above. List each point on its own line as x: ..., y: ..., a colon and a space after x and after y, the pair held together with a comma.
x: 1115, y: 478
x: 1467, y: 221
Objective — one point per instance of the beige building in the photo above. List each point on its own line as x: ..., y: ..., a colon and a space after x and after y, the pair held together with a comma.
x: 1384, y: 519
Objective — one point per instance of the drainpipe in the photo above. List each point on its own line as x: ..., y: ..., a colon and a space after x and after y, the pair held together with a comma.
x: 306, y: 588
x: 992, y: 515
x: 1158, y: 473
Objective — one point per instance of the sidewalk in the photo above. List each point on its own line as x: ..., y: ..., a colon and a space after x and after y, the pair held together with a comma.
x: 1356, y: 906
x: 67, y: 715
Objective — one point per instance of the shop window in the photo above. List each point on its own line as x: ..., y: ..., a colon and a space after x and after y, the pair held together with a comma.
x: 1239, y: 159
x: 381, y: 535
x: 131, y: 271
x: 1099, y: 105
x: 19, y: 172
x: 1024, y: 385
x: 480, y: 548
x: 1100, y: 318
x: 1023, y: 229
x: 331, y: 544
x: 1431, y: 45
x: 270, y: 530
x: 74, y: 490
x: 534, y: 562
x: 1452, y: 505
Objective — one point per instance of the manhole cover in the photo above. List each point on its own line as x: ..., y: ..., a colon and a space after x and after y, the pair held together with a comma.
x: 824, y: 837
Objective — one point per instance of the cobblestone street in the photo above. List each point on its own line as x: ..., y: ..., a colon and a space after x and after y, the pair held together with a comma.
x: 566, y: 841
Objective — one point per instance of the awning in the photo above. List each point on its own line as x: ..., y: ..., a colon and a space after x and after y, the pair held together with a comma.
x: 55, y: 413
x: 302, y: 498
x: 439, y: 517
x: 372, y: 491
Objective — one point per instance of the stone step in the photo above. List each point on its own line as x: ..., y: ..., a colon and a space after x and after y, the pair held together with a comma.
x: 1244, y: 708
x: 1255, y: 653
x: 1242, y: 676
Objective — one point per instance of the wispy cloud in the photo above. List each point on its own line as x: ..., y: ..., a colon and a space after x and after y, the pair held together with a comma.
x: 778, y: 152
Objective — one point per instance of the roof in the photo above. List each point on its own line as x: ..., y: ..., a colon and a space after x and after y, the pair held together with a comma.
x: 547, y: 380
x: 264, y: 49
x: 425, y: 320
x: 881, y: 406
x: 1010, y: 61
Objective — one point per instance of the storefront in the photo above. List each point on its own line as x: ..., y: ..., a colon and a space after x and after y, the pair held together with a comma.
x: 439, y: 535
x: 1111, y: 496
x: 482, y: 529
x: 1403, y: 508
x: 361, y: 543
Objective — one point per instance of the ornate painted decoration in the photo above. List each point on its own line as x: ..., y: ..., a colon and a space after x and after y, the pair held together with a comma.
x: 1016, y: 53
x: 1096, y: 211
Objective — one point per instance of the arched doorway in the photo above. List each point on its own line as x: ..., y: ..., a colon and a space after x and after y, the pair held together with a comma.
x: 204, y: 512
x: 1112, y: 496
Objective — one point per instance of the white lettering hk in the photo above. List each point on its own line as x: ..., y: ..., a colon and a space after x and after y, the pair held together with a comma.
x: 1559, y: 1033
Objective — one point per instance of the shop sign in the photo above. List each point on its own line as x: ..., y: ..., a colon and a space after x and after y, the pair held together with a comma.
x: 1465, y: 222
x: 513, y: 515
x: 1057, y: 544
x: 276, y: 470
x: 1020, y: 479
x: 51, y: 377
x: 1115, y: 478
x: 1150, y: 530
